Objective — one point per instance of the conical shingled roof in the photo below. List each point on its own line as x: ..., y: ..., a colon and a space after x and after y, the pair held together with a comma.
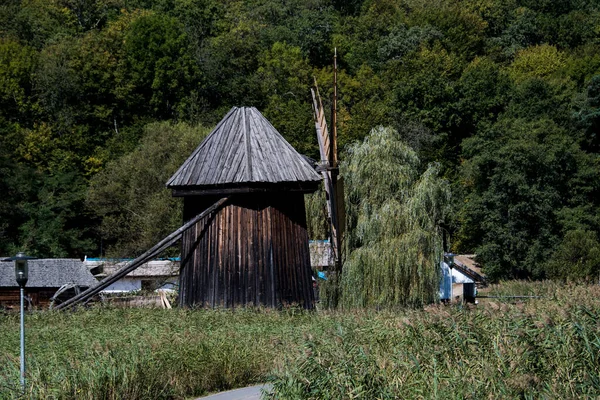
x: 244, y: 149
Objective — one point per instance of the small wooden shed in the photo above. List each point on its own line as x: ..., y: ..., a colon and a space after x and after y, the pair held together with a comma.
x: 253, y: 250
x: 46, y: 277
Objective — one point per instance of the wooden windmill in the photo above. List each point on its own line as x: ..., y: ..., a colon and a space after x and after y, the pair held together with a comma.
x: 328, y: 166
x: 245, y: 242
x: 255, y: 250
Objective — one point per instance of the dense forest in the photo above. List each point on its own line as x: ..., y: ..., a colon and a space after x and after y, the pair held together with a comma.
x: 100, y: 100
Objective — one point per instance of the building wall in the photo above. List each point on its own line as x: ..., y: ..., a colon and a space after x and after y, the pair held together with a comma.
x: 445, y: 282
x: 124, y: 285
x: 128, y: 284
x: 36, y: 297
x: 253, y: 252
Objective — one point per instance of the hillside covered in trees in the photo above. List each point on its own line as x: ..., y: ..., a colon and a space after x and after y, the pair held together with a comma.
x: 101, y: 100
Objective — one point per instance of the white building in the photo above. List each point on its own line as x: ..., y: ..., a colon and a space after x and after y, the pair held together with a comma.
x: 460, y: 278
x: 157, y: 274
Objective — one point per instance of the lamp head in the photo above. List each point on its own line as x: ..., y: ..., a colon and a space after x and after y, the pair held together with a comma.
x: 21, y: 267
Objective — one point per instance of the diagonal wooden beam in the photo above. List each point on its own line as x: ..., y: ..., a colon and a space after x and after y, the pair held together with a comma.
x: 144, y: 258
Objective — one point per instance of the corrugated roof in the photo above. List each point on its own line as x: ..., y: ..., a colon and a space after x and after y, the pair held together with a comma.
x: 51, y: 273
x: 243, y: 148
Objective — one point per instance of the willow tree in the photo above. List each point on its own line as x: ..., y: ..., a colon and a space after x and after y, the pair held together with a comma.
x: 394, y: 240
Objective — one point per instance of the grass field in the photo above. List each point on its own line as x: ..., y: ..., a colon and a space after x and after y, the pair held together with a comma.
x: 544, y: 347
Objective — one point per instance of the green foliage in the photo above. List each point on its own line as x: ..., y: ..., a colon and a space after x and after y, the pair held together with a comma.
x: 294, y: 22
x: 130, y: 196
x: 80, y: 79
x: 521, y: 30
x: 463, y: 30
x: 537, y: 62
x: 285, y: 82
x: 482, y: 94
x: 520, y: 174
x: 577, y: 257
x: 316, y: 215
x: 496, y: 350
x: 17, y: 63
x: 394, y: 237
x: 53, y: 226
x: 588, y: 115
x: 360, y: 36
x: 426, y: 89
x: 160, y: 67
x: 37, y: 22
x: 91, y: 14
x: 11, y: 216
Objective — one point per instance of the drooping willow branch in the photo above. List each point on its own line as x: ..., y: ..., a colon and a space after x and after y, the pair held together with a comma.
x: 394, y: 238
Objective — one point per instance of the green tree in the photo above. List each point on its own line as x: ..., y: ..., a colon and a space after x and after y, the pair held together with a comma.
x: 520, y: 32
x: 56, y: 223
x: 159, y: 65
x: 577, y: 257
x: 543, y: 62
x: 285, y: 81
x: 229, y: 60
x: 92, y: 14
x: 14, y: 182
x: 463, y: 30
x: 17, y: 64
x: 394, y: 214
x: 360, y: 37
x: 588, y: 115
x: 424, y: 89
x: 482, y: 95
x: 37, y: 22
x: 129, y: 196
x: 518, y: 176
x: 308, y: 25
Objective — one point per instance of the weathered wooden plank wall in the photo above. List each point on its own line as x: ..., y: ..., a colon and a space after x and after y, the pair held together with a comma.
x: 39, y: 297
x: 254, y: 252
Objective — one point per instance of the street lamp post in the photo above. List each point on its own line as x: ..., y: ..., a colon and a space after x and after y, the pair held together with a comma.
x: 21, y: 275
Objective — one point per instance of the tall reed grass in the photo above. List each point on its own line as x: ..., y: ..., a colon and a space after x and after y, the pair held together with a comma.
x: 537, y: 348
x: 146, y: 353
x: 545, y: 347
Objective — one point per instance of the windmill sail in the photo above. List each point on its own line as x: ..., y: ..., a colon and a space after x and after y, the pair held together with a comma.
x: 329, y: 170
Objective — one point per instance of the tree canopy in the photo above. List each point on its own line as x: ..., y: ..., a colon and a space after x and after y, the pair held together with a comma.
x: 502, y: 96
x: 395, y: 235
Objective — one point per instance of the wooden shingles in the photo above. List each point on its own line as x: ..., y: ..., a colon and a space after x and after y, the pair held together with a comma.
x: 244, y: 148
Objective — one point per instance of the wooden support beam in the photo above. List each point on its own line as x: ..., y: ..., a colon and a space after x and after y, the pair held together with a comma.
x: 144, y: 258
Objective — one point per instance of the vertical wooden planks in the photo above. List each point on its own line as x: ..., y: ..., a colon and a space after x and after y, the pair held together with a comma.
x: 238, y: 288
x: 254, y: 251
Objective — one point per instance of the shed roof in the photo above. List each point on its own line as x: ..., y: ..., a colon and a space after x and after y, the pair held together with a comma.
x: 244, y: 149
x: 49, y: 273
x: 467, y: 265
x: 151, y: 269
